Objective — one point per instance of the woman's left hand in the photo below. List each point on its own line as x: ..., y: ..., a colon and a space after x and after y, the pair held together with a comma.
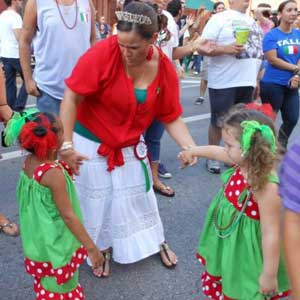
x: 186, y: 158
x: 294, y: 82
x: 74, y: 159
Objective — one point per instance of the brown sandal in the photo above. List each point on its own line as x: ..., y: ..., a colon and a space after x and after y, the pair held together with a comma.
x: 164, y: 249
x: 164, y: 190
x: 107, y: 258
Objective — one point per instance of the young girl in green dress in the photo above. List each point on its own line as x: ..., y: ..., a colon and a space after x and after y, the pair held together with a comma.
x: 54, y: 240
x: 240, y: 242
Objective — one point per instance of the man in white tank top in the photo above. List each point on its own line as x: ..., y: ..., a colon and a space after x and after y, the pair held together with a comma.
x: 60, y: 32
x: 10, y: 29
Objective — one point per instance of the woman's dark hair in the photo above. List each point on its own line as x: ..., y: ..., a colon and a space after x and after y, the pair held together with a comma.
x: 174, y: 7
x: 266, y: 14
x: 283, y: 4
x: 146, y: 31
x: 39, y: 134
x: 217, y: 4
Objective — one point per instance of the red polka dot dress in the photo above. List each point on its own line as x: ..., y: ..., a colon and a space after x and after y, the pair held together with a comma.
x: 52, y: 253
x: 230, y: 244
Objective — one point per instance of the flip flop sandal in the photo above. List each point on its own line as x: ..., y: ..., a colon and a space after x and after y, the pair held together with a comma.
x: 162, y: 191
x: 164, y: 247
x: 10, y: 225
x: 107, y: 258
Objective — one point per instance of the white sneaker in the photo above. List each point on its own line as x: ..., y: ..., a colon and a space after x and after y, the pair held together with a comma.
x: 213, y: 166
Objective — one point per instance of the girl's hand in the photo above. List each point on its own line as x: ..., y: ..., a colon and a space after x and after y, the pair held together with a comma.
x: 5, y: 113
x: 268, y: 285
x: 73, y: 158
x: 96, y: 257
x: 186, y: 158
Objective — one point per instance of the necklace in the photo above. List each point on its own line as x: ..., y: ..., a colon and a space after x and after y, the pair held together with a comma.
x: 140, y: 78
x: 225, y: 231
x: 62, y: 18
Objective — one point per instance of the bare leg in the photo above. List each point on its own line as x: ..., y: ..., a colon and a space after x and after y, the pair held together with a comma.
x: 203, y: 87
x: 157, y: 184
x: 214, y: 135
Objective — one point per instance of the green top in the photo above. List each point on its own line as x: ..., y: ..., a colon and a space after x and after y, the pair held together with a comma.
x: 45, y: 236
x: 140, y: 95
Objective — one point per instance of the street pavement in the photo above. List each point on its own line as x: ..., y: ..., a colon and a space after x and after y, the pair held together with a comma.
x: 182, y: 217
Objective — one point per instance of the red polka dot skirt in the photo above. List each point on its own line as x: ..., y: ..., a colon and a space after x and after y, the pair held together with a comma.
x: 44, y: 269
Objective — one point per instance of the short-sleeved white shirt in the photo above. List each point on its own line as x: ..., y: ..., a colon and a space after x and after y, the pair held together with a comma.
x: 226, y: 71
x: 9, y: 20
x: 168, y: 46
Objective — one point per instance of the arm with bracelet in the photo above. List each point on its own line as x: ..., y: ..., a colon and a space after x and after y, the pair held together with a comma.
x: 5, y: 110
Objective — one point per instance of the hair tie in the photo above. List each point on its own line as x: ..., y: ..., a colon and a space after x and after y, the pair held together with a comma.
x: 40, y: 131
x: 249, y: 128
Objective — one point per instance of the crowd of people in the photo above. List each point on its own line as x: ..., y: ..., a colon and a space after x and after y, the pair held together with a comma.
x: 83, y: 129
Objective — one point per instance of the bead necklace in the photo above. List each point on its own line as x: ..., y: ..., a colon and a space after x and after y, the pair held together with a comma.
x: 225, y: 231
x: 62, y: 18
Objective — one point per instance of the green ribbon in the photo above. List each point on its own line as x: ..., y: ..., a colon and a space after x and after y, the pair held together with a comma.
x: 15, y: 124
x: 147, y: 177
x: 249, y: 128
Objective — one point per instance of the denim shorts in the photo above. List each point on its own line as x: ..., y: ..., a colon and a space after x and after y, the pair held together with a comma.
x: 221, y: 100
x: 46, y: 103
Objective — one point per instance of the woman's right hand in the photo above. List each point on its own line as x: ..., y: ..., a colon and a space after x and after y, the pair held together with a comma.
x: 186, y: 158
x: 96, y: 257
x: 31, y: 88
x: 73, y: 158
x: 294, y: 82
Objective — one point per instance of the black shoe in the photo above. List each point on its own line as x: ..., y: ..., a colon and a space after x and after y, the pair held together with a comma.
x: 199, y: 101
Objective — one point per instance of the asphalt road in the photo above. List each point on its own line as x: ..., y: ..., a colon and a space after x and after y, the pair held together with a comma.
x: 182, y: 217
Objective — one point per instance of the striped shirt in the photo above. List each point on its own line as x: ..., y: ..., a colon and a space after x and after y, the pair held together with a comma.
x: 289, y: 188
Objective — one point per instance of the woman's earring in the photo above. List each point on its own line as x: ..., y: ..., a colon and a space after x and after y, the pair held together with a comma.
x: 150, y: 53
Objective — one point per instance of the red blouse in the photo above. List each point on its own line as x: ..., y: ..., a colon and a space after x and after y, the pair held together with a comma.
x: 110, y: 110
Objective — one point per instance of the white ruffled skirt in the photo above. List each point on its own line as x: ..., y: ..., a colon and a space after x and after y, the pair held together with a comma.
x: 117, y: 210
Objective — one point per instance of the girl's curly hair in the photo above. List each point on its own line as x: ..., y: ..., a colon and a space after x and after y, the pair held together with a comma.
x: 259, y: 160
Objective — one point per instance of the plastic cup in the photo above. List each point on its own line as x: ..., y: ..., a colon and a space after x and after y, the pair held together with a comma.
x: 241, y: 35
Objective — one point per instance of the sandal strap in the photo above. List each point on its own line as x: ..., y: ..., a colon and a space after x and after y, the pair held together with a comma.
x: 10, y: 224
x: 164, y: 247
x: 106, y: 255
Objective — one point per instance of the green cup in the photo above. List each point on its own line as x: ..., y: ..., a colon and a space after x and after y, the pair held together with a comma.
x: 241, y: 35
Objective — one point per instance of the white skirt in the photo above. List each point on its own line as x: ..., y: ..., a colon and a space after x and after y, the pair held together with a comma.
x: 117, y: 210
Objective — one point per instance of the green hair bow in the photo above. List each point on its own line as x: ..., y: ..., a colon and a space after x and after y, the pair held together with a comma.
x: 15, y: 124
x: 249, y: 128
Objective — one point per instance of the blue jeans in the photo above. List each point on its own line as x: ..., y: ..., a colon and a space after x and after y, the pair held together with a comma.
x: 46, y: 103
x: 287, y: 101
x: 11, y: 67
x: 153, y: 136
x: 197, y: 63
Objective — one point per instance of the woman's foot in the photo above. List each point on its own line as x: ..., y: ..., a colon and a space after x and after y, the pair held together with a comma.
x: 104, y: 270
x: 167, y: 256
x: 163, y: 189
x: 8, y: 227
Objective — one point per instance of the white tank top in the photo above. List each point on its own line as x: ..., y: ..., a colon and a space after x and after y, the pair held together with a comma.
x: 57, y: 48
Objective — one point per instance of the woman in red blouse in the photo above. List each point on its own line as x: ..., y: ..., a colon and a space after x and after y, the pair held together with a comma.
x: 115, y: 91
